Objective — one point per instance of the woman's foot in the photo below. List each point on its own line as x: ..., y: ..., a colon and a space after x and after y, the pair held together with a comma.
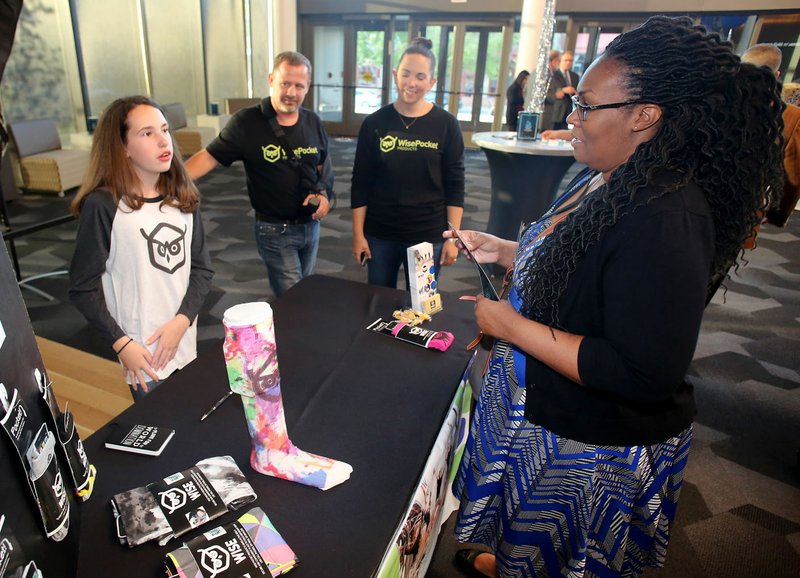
x: 476, y: 563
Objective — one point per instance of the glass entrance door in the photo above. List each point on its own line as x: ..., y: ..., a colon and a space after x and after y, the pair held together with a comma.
x: 353, y: 63
x: 591, y: 40
x: 351, y: 71
x: 471, y: 69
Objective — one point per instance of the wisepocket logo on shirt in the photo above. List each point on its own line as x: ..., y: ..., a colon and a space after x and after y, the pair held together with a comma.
x: 390, y: 143
x: 273, y: 153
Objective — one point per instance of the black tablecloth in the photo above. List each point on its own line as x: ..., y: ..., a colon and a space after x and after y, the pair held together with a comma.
x: 349, y: 394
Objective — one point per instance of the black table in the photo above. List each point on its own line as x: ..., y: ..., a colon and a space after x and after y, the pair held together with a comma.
x: 525, y: 178
x: 349, y: 394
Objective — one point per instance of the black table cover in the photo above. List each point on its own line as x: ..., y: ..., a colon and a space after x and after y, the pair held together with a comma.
x: 349, y: 394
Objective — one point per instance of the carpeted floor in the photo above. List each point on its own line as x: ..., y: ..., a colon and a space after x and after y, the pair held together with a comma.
x: 739, y: 514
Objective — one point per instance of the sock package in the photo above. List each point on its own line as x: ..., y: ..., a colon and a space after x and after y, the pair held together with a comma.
x: 250, y: 546
x: 36, y: 449
x: 426, y: 338
x: 82, y: 472
x: 168, y: 508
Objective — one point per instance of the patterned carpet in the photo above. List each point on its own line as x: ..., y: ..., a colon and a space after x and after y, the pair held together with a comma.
x: 739, y: 514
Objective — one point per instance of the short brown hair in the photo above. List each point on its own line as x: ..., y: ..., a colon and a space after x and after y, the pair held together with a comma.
x: 292, y: 58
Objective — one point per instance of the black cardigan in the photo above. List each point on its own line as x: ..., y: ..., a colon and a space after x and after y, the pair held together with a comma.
x: 638, y: 298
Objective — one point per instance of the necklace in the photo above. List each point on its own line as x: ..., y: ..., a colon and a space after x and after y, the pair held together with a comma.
x: 407, y: 125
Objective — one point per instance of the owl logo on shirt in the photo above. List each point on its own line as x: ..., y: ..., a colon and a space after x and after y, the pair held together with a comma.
x: 166, y: 245
x: 272, y: 153
x: 388, y: 143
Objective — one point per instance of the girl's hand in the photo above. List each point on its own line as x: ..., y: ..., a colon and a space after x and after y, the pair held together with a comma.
x: 169, y: 337
x: 136, y: 364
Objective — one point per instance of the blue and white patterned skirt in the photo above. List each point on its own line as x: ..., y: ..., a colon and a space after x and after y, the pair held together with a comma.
x: 550, y: 506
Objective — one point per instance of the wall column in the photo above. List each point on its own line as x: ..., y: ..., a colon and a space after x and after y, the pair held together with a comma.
x: 283, y: 16
x: 530, y: 35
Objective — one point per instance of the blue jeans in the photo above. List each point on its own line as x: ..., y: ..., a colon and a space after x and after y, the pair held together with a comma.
x: 139, y: 393
x: 288, y: 251
x: 387, y: 256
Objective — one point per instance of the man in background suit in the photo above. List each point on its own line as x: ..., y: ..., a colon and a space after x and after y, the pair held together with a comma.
x: 570, y: 82
x: 770, y: 56
x: 553, y: 99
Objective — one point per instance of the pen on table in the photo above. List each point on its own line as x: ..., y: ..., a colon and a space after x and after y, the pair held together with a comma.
x: 216, y: 405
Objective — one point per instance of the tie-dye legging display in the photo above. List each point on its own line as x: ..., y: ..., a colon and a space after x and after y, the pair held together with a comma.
x: 252, y: 361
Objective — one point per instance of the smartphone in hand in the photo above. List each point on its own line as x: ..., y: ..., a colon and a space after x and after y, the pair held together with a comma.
x: 487, y: 288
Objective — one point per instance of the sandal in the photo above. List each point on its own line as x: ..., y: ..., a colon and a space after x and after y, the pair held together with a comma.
x: 465, y: 561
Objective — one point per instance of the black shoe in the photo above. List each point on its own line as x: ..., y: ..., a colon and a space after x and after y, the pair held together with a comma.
x: 465, y: 561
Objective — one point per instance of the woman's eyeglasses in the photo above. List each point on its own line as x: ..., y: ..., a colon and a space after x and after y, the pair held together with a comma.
x: 583, y: 109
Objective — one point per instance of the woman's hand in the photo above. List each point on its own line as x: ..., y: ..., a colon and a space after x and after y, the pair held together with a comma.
x: 495, y: 317
x: 361, y: 247
x: 136, y: 362
x: 449, y: 253
x: 169, y: 337
x: 485, y: 248
x: 553, y: 347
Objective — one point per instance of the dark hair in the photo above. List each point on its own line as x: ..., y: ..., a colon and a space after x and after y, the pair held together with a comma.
x: 111, y: 169
x: 521, y: 76
x: 721, y: 128
x: 424, y: 47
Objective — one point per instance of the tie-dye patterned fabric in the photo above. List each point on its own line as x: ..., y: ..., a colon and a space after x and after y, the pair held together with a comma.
x: 252, y: 362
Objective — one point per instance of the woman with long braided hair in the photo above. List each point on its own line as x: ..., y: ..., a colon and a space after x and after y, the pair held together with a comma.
x: 582, y: 429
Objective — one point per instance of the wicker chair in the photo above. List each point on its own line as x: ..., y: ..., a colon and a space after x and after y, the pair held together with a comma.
x: 190, y: 139
x: 42, y: 165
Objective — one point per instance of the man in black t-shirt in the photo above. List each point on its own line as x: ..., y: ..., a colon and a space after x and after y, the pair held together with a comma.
x: 284, y: 148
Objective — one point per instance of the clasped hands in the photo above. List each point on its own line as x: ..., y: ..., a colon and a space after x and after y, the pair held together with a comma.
x: 137, y: 361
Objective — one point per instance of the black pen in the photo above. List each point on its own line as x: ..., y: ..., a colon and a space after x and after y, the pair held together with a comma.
x: 216, y: 405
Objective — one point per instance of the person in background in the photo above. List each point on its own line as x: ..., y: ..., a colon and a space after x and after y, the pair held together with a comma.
x: 515, y: 99
x: 556, y: 102
x: 570, y: 81
x: 140, y: 271
x: 770, y: 56
x: 582, y: 428
x: 791, y: 93
x: 560, y: 134
x: 284, y: 148
x: 408, y: 174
